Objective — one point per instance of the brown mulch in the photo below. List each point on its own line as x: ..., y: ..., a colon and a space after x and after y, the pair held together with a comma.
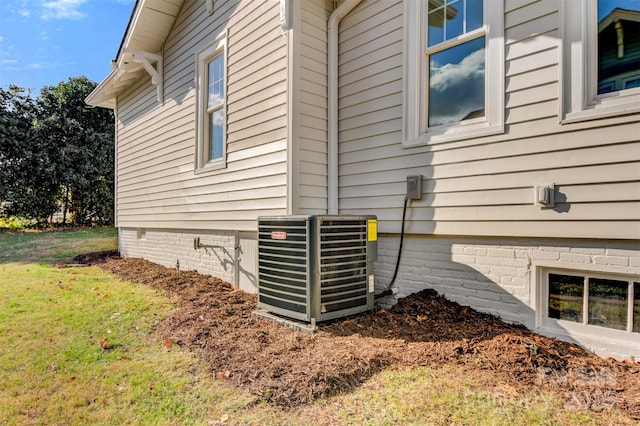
x: 290, y: 368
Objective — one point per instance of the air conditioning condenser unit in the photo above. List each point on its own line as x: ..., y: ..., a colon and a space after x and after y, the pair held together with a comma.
x: 316, y: 267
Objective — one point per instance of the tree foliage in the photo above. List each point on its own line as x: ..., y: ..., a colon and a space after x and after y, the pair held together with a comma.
x: 56, y: 154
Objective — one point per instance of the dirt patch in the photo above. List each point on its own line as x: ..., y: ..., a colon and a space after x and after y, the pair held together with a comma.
x: 290, y: 368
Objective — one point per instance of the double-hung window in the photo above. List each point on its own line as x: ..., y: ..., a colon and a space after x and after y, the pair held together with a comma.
x: 453, y: 70
x: 601, y: 59
x: 210, y: 105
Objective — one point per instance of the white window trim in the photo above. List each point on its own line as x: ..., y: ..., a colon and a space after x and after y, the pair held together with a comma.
x: 415, y: 85
x: 203, y: 57
x: 580, y: 99
x: 609, y: 338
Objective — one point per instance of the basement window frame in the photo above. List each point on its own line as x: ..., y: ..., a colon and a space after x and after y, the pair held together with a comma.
x: 415, y: 128
x: 584, y: 327
x: 204, y: 57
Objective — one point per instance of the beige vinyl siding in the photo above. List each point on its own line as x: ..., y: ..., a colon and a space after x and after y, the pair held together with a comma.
x: 311, y: 113
x: 483, y: 186
x: 158, y: 185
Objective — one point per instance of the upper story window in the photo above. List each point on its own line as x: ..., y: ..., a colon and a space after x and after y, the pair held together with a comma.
x: 454, y: 70
x: 210, y: 106
x: 601, y: 59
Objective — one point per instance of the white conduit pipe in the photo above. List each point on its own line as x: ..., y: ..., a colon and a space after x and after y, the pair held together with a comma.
x: 332, y: 102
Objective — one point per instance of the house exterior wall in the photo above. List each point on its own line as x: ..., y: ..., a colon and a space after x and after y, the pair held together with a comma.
x: 175, y: 249
x: 158, y: 185
x: 483, y: 185
x: 501, y: 276
x: 476, y: 235
x: 311, y: 110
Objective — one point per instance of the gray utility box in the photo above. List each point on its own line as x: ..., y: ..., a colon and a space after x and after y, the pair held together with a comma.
x: 316, y: 268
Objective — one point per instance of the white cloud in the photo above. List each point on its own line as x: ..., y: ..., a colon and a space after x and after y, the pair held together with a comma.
x: 457, y: 89
x: 451, y: 75
x: 17, y: 9
x: 62, y: 9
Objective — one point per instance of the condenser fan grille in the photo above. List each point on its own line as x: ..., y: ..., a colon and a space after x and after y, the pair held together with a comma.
x: 314, y: 266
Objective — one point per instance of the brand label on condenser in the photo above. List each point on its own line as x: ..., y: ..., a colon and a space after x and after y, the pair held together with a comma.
x: 278, y: 235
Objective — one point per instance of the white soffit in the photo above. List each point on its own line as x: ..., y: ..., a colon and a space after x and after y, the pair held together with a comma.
x: 149, y: 26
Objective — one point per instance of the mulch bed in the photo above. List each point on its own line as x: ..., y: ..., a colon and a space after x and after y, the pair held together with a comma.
x: 290, y: 368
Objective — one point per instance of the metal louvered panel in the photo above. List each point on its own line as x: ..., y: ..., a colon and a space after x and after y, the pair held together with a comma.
x: 283, y: 265
x: 343, y: 264
x: 316, y: 268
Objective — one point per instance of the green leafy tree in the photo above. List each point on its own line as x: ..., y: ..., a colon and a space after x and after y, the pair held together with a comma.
x: 83, y: 138
x: 59, y: 154
x: 26, y: 185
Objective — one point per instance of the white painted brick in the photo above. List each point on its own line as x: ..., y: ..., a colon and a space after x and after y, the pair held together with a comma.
x: 588, y: 250
x: 632, y: 251
x: 485, y: 260
x: 506, y: 281
x: 544, y: 255
x: 499, y: 252
x: 575, y: 258
x: 514, y: 262
x: 470, y: 251
x: 461, y: 258
x: 504, y: 270
x: 457, y: 249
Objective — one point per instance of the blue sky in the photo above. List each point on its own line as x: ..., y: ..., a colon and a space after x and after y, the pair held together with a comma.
x: 44, y: 42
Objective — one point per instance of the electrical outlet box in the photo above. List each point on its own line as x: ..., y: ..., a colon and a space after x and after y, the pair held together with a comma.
x: 545, y: 195
x: 414, y: 187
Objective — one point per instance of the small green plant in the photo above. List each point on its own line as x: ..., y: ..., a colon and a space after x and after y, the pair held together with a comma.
x: 14, y: 222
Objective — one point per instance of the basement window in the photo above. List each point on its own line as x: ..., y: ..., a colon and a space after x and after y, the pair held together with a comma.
x: 586, y: 299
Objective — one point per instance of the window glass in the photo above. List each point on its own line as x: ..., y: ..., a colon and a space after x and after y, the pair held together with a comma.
x: 456, y: 70
x: 436, y: 22
x: 608, y: 303
x: 456, y: 83
x: 636, y: 307
x: 216, y: 132
x: 211, y: 107
x: 449, y: 19
x: 618, y: 44
x: 474, y: 14
x: 215, y: 104
x: 566, y: 295
x: 216, y: 82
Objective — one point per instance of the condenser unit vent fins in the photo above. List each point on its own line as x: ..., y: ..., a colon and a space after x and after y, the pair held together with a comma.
x: 315, y: 267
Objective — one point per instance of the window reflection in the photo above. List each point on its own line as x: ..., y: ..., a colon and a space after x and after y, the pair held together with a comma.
x: 216, y: 130
x: 608, y: 303
x: 566, y: 293
x: 618, y: 45
x: 449, y: 19
x: 457, y: 83
x: 216, y: 82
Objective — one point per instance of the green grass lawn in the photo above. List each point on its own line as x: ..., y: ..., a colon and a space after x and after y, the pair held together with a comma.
x: 54, y: 246
x: 77, y: 347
